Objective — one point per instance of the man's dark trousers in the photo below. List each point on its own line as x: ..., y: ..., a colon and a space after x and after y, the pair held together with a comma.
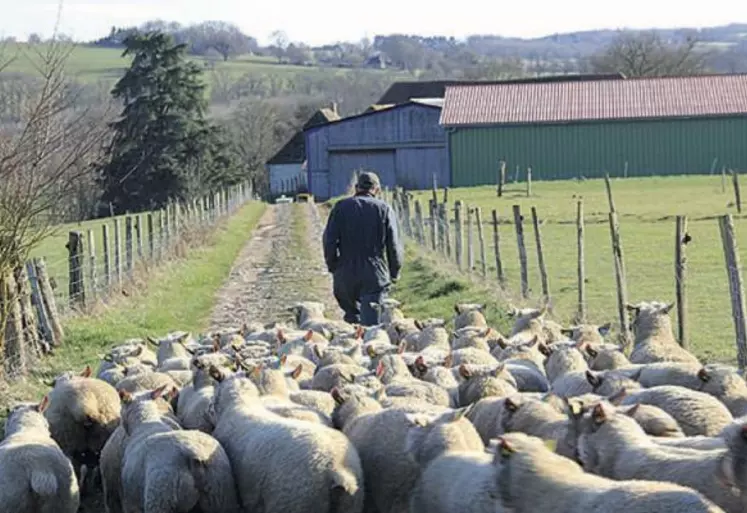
x: 355, y: 299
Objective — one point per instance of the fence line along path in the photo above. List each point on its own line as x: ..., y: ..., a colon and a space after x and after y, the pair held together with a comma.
x: 101, y: 264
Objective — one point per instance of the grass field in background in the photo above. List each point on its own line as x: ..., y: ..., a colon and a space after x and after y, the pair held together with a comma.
x: 53, y: 248
x: 91, y: 64
x: 179, y: 296
x: 646, y: 209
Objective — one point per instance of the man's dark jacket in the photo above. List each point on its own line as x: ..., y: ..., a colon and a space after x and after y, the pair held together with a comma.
x: 360, y: 232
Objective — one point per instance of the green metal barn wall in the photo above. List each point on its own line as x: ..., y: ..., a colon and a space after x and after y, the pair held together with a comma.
x: 556, y: 152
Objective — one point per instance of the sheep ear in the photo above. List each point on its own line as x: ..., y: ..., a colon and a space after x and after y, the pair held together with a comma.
x: 153, y: 340
x: 598, y: 414
x: 604, y: 329
x: 420, y: 364
x: 591, y: 351
x: 632, y: 308
x: 125, y: 396
x: 337, y: 396
x: 284, y: 358
x: 87, y: 372
x: 401, y: 348
x: 510, y: 404
x: 502, y: 342
x: 308, y: 335
x: 216, y: 342
x: 499, y: 369
x: 464, y: 371
x: 629, y: 410
x: 574, y: 408
x: 457, y: 309
x: 449, y: 361
x: 359, y: 332
x: 172, y: 394
x: 244, y: 331
x: 297, y: 371
x: 667, y: 308
x: 43, y: 404
x: 108, y: 358
x: 419, y: 324
x: 138, y: 351
x: 505, y: 450
x: 703, y: 375
x: 593, y: 379
x: 568, y: 332
x: 380, y: 369
x: 533, y: 342
x: 184, y: 337
x: 216, y: 373
x: 544, y: 349
x: 158, y: 392
x: 49, y: 382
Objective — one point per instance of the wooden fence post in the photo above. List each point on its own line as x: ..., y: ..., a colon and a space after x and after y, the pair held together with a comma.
x: 458, y: 232
x: 15, y: 341
x: 529, y: 181
x: 608, y: 186
x: 162, y: 234
x: 481, y: 241
x: 622, y: 290
x: 737, y: 192
x: 48, y: 301
x: 419, y: 223
x: 151, y: 241
x: 76, y: 287
x: 434, y: 223
x: 581, y: 269
x: 540, y: 257
x: 723, y: 179
x: 45, y: 328
x: 118, y: 250
x: 470, y: 242
x: 446, y: 227
x: 736, y: 286
x: 435, y: 189
x: 497, y: 250
x: 519, y: 227
x: 406, y: 214
x: 128, y: 246
x: 139, y: 236
x: 501, y: 178
x: 442, y: 233
x: 31, y: 327
x: 680, y: 272
x: 105, y: 254
x: 93, y: 284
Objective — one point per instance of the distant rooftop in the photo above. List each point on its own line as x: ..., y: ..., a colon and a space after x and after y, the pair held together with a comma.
x: 294, y: 151
x: 558, y: 102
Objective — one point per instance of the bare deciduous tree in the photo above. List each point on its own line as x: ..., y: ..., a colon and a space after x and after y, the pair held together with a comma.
x: 43, y: 158
x: 646, y: 54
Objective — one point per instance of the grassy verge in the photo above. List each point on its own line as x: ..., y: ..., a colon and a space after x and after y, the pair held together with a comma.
x: 428, y: 288
x: 179, y: 296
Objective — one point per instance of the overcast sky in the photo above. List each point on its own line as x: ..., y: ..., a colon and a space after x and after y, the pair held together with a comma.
x: 323, y: 21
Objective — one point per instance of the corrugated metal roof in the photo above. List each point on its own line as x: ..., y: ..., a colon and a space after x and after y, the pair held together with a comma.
x: 639, y: 98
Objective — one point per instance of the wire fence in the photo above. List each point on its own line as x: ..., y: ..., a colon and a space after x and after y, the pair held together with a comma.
x: 103, y: 264
x: 578, y: 268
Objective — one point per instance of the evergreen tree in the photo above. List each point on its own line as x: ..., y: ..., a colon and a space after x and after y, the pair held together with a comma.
x: 163, y: 146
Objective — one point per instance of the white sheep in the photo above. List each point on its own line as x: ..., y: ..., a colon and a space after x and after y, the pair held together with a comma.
x: 35, y: 475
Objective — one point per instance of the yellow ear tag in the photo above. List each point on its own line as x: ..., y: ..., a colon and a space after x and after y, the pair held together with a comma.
x: 551, y: 444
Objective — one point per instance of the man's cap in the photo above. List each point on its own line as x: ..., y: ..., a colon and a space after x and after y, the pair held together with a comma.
x: 367, y: 181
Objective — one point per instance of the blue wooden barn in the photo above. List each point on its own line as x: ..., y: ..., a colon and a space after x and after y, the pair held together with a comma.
x: 403, y: 143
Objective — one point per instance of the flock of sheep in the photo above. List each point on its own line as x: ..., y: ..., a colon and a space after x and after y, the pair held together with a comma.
x: 402, y: 417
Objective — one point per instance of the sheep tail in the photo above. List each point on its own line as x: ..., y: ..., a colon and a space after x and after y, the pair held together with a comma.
x: 44, y: 483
